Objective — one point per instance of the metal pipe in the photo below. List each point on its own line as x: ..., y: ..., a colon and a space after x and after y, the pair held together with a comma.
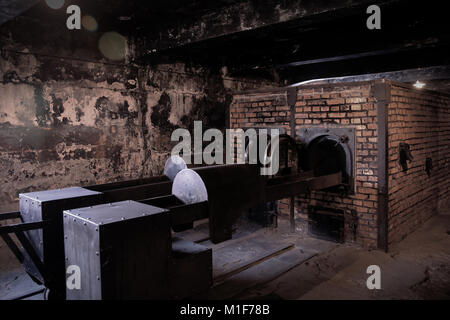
x: 292, y: 214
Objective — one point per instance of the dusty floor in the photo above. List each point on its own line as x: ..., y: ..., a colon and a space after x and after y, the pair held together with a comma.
x: 416, y: 268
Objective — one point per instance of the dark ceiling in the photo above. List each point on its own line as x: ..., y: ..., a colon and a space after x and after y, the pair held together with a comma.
x: 10, y: 9
x: 128, y: 16
x: 286, y: 40
x: 331, y: 44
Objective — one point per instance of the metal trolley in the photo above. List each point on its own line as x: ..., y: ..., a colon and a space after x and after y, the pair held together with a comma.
x: 41, y: 228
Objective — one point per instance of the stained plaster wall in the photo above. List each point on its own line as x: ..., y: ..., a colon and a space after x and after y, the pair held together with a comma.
x: 71, y: 117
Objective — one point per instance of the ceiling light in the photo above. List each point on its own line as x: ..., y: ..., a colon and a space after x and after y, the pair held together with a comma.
x: 419, y: 85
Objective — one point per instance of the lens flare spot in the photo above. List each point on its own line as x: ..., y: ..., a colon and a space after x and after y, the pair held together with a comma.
x: 113, y: 46
x: 419, y: 84
x: 89, y: 23
x: 55, y: 4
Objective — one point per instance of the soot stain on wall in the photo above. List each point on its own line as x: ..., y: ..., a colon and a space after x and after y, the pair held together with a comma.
x: 161, y: 113
x: 70, y: 118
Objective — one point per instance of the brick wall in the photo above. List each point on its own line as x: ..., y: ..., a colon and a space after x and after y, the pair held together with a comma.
x: 318, y: 105
x: 420, y: 118
x: 263, y: 109
x: 346, y: 105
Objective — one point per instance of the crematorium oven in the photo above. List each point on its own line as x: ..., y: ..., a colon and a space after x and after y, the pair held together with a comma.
x: 383, y: 136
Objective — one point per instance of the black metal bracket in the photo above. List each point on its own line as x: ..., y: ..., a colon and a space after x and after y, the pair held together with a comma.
x: 19, y: 230
x: 9, y: 216
x: 428, y: 166
x: 21, y: 227
x: 405, y: 155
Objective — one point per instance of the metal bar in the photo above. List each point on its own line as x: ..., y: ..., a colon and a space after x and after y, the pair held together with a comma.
x: 348, y: 56
x: 292, y: 215
x: 22, y: 227
x: 381, y: 92
x: 163, y: 201
x: 139, y: 192
x: 231, y: 188
x: 326, y: 213
x: 295, y: 177
x: 127, y: 184
x: 181, y: 215
x: 30, y: 294
x: 291, y: 97
x: 29, y: 249
x: 294, y: 188
x: 13, y: 247
x: 409, y: 75
x: 275, y: 220
x: 185, y: 214
x: 9, y: 215
x: 327, y: 181
x: 246, y: 264
x: 286, y: 190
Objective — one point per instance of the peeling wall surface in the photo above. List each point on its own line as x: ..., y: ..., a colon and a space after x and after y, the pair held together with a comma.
x: 68, y: 116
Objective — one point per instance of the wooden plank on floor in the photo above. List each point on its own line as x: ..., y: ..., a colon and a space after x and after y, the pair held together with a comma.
x: 261, y: 273
x: 242, y: 255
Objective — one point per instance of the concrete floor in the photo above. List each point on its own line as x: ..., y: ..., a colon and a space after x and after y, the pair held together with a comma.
x: 416, y: 268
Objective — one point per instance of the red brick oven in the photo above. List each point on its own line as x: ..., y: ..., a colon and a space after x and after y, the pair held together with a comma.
x: 397, y: 149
